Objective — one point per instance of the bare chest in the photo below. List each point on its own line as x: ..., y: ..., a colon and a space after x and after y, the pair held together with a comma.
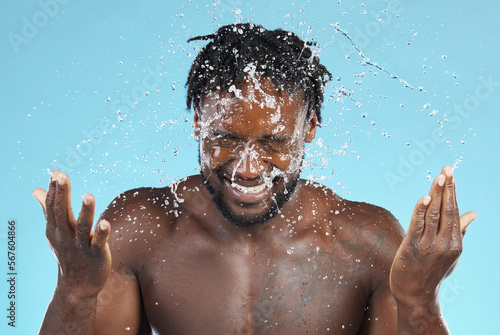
x: 204, y: 289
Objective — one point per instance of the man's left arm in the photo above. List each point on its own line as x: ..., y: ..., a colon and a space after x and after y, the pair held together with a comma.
x: 427, y: 255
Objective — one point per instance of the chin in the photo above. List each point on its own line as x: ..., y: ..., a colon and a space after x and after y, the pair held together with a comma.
x: 244, y: 217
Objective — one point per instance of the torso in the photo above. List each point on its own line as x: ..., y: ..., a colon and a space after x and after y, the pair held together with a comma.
x: 314, y: 274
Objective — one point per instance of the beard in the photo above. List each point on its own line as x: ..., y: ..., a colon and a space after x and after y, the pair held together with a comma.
x: 279, y: 200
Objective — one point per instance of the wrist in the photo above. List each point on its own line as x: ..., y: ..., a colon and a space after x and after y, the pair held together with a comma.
x: 416, y: 297
x: 421, y: 318
x: 70, y: 311
x: 423, y: 302
x: 420, y: 310
x: 74, y: 296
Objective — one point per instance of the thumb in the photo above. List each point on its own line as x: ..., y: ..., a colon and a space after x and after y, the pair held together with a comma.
x: 40, y: 195
x: 466, y: 219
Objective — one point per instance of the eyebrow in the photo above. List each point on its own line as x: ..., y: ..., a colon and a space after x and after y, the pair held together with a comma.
x: 275, y: 138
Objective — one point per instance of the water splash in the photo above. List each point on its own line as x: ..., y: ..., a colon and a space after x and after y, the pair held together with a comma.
x: 366, y: 61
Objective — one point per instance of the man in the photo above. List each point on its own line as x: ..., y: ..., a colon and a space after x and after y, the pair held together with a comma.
x: 247, y: 247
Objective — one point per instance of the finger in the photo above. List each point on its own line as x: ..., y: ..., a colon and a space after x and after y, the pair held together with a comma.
x: 417, y: 223
x: 433, y: 215
x: 40, y: 195
x: 450, y: 178
x: 101, y: 235
x: 85, y: 220
x: 71, y: 215
x: 49, y: 207
x: 449, y: 211
x: 466, y: 219
x: 65, y: 219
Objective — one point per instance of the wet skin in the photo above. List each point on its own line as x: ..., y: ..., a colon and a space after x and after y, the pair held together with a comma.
x: 322, y: 264
x: 251, y: 147
x: 199, y: 274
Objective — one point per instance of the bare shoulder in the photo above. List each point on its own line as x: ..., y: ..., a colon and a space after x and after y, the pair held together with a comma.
x: 364, y: 229
x: 142, y: 219
x: 145, y: 205
x: 139, y: 201
x: 362, y: 214
x: 371, y: 222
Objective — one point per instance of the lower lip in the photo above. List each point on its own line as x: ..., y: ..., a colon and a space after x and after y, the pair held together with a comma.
x: 246, y: 197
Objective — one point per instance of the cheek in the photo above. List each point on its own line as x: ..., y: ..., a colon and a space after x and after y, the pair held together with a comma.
x: 283, y: 158
x: 205, y: 160
x: 212, y: 155
x: 216, y: 153
x: 288, y: 160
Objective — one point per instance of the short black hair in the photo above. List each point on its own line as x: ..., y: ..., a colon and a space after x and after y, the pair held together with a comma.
x: 277, y: 54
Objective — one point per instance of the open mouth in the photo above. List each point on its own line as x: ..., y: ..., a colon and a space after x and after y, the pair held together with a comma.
x: 250, y: 190
x: 247, y: 194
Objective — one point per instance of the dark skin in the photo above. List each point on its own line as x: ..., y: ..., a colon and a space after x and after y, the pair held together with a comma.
x: 168, y: 259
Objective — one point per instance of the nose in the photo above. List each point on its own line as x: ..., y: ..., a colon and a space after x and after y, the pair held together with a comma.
x: 249, y: 163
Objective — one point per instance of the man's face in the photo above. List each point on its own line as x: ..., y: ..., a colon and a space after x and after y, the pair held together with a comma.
x: 251, y: 148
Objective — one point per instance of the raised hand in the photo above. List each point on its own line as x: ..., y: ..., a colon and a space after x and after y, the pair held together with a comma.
x: 432, y: 246
x: 83, y: 255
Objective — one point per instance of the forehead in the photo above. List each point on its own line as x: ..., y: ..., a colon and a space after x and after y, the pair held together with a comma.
x: 255, y: 104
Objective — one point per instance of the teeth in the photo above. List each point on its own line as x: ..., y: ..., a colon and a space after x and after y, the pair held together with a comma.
x: 244, y: 189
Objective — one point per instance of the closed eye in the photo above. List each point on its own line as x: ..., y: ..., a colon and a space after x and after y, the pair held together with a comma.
x: 277, y: 142
x: 225, y: 139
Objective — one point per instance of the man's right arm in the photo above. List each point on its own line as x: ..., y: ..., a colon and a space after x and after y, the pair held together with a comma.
x: 91, y: 296
x: 115, y: 310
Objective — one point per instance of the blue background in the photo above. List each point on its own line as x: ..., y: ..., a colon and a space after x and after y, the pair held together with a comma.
x: 97, y: 89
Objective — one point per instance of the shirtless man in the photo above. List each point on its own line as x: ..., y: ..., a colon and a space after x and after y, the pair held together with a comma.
x: 247, y: 247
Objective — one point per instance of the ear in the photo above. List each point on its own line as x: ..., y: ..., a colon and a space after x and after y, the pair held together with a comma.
x: 196, y: 120
x: 311, y: 127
